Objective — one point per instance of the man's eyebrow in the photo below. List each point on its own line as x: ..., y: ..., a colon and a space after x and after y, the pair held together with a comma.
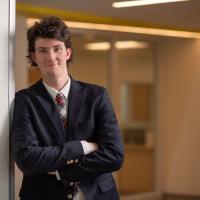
x: 40, y: 47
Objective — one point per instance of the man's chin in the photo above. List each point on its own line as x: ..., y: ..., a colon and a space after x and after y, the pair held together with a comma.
x: 51, y: 66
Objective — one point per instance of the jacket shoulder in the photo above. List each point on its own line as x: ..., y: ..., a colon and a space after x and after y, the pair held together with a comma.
x: 92, y: 88
x: 31, y: 90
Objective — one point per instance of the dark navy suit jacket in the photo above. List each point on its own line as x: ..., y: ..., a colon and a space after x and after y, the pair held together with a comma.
x: 42, y: 145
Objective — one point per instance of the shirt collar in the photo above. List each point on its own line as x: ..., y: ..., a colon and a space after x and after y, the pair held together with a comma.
x: 53, y: 92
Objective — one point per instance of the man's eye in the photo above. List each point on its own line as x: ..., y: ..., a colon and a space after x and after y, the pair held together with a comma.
x: 57, y: 49
x: 42, y: 50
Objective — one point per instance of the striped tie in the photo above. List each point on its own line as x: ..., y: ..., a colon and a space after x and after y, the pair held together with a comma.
x: 61, y: 105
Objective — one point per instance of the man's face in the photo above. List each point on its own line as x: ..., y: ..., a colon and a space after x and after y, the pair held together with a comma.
x: 51, y: 56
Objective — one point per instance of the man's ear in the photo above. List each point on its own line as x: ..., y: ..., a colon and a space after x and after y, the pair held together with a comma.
x: 32, y: 55
x: 69, y: 53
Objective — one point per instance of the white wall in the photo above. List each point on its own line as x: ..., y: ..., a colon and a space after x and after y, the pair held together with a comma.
x: 6, y: 36
x: 179, y: 115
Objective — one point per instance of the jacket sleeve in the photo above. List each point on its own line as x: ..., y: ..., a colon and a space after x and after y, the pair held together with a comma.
x: 31, y: 156
x: 109, y: 156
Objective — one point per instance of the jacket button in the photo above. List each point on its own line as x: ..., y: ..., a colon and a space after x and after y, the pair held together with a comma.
x: 69, y: 196
x: 72, y: 161
x: 71, y: 183
x: 68, y: 162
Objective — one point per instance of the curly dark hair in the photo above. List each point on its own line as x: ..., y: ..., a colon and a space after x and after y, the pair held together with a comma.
x: 52, y: 28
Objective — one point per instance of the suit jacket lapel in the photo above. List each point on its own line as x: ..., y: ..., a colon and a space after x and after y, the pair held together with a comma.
x: 76, y: 100
x: 50, y: 108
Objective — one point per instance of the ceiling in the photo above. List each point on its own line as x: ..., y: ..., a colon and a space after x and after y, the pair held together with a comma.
x: 179, y: 15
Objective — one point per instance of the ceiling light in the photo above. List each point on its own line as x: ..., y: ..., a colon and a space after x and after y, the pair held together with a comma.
x: 128, y: 29
x: 119, y: 45
x: 131, y: 45
x: 122, y: 4
x: 98, y: 46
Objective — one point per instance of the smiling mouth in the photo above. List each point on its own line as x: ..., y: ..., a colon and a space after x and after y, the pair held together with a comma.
x: 51, y: 65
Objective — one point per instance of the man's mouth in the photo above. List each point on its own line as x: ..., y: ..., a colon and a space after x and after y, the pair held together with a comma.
x: 51, y: 65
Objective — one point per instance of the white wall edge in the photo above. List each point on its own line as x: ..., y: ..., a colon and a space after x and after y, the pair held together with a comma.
x: 11, y: 89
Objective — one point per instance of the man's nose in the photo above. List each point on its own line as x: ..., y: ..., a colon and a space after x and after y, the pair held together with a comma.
x: 51, y: 55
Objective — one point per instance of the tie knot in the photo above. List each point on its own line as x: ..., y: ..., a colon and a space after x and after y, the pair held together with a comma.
x: 60, y: 99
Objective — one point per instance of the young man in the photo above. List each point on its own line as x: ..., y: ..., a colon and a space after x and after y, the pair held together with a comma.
x: 65, y: 135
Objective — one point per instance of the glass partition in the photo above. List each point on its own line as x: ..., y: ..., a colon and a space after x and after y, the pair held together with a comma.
x: 137, y: 119
x: 136, y: 96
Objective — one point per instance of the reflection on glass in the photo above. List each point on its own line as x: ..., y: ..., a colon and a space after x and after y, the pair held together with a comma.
x: 135, y: 111
x: 137, y: 173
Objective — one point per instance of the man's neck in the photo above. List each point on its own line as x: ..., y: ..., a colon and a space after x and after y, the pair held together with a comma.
x: 58, y: 83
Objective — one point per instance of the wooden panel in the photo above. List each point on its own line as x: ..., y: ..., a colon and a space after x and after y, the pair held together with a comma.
x: 137, y: 173
x: 33, y: 75
x: 141, y: 102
